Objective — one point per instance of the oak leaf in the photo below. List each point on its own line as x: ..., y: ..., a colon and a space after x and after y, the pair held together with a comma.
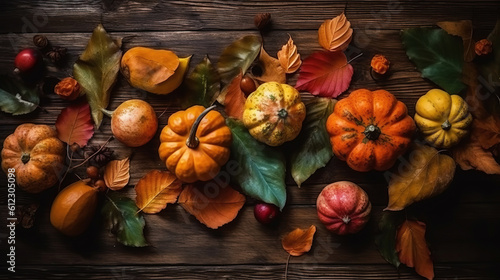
x: 289, y: 58
x: 422, y: 174
x: 74, y: 124
x: 327, y: 74
x: 117, y: 174
x: 234, y: 98
x: 298, y: 241
x: 155, y: 190
x: 211, y: 204
x: 412, y: 248
x: 271, y: 69
x: 335, y: 34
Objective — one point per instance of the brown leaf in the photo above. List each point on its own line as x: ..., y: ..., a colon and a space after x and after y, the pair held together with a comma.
x: 117, y: 174
x: 487, y: 131
x: 299, y: 241
x: 462, y: 28
x: 155, y: 190
x: 211, y: 204
x: 470, y: 155
x: 473, y: 95
x: 335, y: 34
x: 412, y: 248
x: 234, y: 98
x: 271, y: 69
x: 289, y: 58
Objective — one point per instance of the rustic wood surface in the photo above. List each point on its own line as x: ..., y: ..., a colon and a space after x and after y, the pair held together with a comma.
x: 463, y: 224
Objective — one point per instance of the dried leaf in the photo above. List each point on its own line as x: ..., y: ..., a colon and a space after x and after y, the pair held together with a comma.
x: 326, y: 74
x: 97, y: 69
x: 117, y: 174
x: 487, y: 131
x: 335, y: 34
x: 462, y: 28
x: 234, y: 98
x: 25, y: 214
x: 17, y: 98
x: 74, y: 124
x: 299, y: 241
x: 202, y: 85
x: 211, y: 204
x: 239, y: 55
x: 490, y: 68
x: 155, y: 190
x: 271, y: 69
x: 470, y: 155
x: 289, y: 58
x: 422, y: 174
x: 412, y: 248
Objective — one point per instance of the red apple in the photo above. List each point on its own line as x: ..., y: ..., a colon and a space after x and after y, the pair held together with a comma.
x: 28, y: 61
x: 266, y: 213
x: 343, y: 207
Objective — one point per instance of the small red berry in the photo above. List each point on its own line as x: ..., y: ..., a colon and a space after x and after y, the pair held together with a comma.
x: 93, y: 172
x: 266, y: 213
x: 100, y: 185
x: 247, y: 85
x: 28, y: 60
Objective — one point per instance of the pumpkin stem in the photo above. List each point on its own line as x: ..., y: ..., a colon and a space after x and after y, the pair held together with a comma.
x: 446, y: 125
x: 193, y: 141
x: 372, y: 132
x: 346, y: 219
x: 25, y: 157
x: 282, y: 114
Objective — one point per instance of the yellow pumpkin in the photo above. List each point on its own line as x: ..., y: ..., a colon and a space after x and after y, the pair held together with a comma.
x: 36, y: 155
x: 442, y: 118
x: 274, y: 113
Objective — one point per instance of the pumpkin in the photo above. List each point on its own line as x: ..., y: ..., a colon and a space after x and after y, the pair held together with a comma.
x: 343, y: 207
x: 443, y: 119
x: 195, y: 144
x: 36, y: 155
x: 274, y: 113
x: 370, y: 130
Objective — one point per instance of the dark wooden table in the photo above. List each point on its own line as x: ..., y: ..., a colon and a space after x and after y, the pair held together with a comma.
x: 463, y: 224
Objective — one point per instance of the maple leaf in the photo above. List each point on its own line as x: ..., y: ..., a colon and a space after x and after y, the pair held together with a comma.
x: 335, y: 34
x: 289, y: 58
x: 155, y: 190
x: 74, y: 124
x: 326, y: 74
x: 298, y: 241
x: 412, y: 248
x: 117, y: 174
x: 234, y: 98
x: 211, y: 204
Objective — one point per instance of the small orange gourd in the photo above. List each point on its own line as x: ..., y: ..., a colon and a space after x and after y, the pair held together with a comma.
x: 370, y: 130
x: 195, y: 144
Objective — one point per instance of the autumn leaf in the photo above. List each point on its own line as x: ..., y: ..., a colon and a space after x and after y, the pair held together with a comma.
x: 234, y: 98
x: 17, y: 98
x: 271, y: 69
x: 97, y: 69
x: 490, y: 68
x: 487, y: 131
x: 155, y: 190
x: 202, y: 85
x: 211, y: 204
x: 117, y: 174
x: 327, y: 74
x: 289, y: 58
x: 335, y: 34
x: 426, y: 173
x: 298, y: 241
x: 239, y: 55
x: 462, y: 28
x: 74, y: 124
x: 412, y: 248
x: 386, y: 239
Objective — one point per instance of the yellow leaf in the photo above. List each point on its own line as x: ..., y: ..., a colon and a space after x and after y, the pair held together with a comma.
x: 335, y: 34
x: 299, y: 241
x: 211, y: 204
x: 155, y: 190
x: 412, y: 248
x: 117, y: 174
x: 289, y: 58
x: 424, y: 173
x: 271, y: 69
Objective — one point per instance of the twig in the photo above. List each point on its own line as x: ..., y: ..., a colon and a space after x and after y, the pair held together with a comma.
x: 286, y: 266
x: 92, y: 155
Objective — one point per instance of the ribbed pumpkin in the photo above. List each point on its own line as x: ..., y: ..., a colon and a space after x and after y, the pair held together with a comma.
x: 443, y: 119
x: 36, y: 154
x: 195, y: 144
x: 274, y: 113
x: 370, y: 130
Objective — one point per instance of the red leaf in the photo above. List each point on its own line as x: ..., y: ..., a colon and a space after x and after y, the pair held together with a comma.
x: 325, y: 73
x: 235, y: 98
x: 412, y: 248
x: 74, y: 124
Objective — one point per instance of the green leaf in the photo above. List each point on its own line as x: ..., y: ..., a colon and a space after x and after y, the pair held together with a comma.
x: 123, y: 218
x: 239, y: 55
x: 312, y: 149
x: 202, y: 85
x: 17, y: 98
x: 386, y: 239
x: 437, y: 55
x: 96, y: 70
x: 490, y: 68
x: 261, y: 168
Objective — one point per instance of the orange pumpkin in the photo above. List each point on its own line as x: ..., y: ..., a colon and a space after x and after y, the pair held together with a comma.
x: 36, y: 155
x: 370, y: 130
x: 195, y: 144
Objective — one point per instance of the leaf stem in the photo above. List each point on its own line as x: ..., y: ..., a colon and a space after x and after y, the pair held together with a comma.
x: 107, y: 112
x: 286, y: 266
x: 93, y: 155
x: 354, y: 58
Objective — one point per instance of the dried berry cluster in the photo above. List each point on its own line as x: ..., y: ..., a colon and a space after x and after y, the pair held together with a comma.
x: 55, y: 53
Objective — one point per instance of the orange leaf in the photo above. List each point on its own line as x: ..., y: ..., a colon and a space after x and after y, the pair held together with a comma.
x: 412, y: 248
x: 470, y: 155
x: 299, y: 241
x: 271, y: 69
x: 211, y: 204
x: 117, y: 174
x: 335, y: 34
x: 234, y: 101
x: 155, y: 190
x: 289, y: 58
x: 74, y: 124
